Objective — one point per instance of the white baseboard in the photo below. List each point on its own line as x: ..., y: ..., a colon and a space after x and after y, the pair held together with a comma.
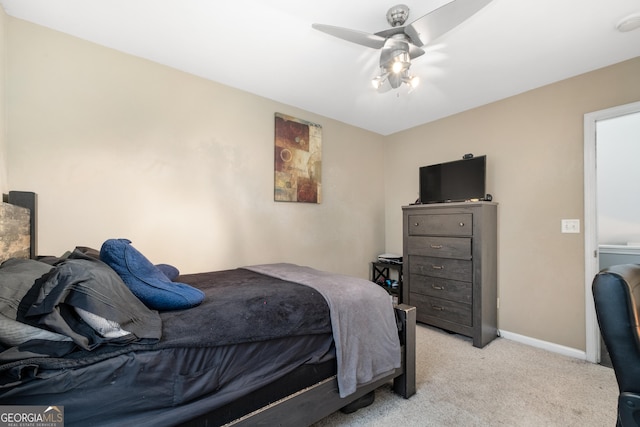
x: 545, y: 345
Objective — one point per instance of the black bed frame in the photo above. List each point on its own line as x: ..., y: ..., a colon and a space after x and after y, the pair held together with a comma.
x: 296, y: 407
x: 312, y: 403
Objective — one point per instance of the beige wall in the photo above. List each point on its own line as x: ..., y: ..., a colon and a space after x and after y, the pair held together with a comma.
x: 534, y: 147
x: 4, y: 187
x: 117, y: 146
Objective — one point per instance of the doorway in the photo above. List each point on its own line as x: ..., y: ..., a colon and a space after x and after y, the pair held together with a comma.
x: 592, y: 253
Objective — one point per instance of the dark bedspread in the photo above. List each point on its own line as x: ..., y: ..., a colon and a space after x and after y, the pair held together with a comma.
x: 250, y: 330
x: 240, y: 306
x: 257, y: 308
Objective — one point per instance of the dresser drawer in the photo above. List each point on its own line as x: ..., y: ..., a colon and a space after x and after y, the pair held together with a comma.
x: 445, y: 247
x: 445, y: 268
x: 441, y: 224
x: 443, y: 309
x: 452, y: 290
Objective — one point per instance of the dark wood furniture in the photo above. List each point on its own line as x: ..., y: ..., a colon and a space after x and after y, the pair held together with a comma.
x: 381, y: 272
x: 451, y: 268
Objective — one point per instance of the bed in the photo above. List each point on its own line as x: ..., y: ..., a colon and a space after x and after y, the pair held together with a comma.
x: 266, y: 345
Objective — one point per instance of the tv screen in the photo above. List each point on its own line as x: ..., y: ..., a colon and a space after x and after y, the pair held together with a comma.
x: 456, y: 181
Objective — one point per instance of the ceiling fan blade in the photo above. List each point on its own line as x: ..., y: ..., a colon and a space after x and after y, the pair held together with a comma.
x: 437, y: 22
x: 359, y: 37
x: 415, y: 51
x: 445, y: 18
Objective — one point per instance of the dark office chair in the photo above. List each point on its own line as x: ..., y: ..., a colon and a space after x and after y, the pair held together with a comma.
x: 616, y: 293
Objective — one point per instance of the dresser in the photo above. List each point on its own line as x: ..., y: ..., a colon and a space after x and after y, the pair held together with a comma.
x: 450, y: 267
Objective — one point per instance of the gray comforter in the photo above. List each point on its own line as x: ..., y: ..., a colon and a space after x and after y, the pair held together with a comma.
x: 362, y: 318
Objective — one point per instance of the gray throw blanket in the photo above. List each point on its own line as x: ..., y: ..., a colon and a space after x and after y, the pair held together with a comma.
x: 362, y: 319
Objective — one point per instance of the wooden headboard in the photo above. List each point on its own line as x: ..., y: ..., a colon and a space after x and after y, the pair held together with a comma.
x: 18, y: 225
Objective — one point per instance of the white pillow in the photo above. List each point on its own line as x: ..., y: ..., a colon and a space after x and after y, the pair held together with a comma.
x: 106, y: 328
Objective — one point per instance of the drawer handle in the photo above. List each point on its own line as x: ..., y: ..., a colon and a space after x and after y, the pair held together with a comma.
x: 461, y: 224
x: 437, y: 307
x: 438, y: 267
x: 436, y: 246
x: 438, y: 288
x: 416, y: 224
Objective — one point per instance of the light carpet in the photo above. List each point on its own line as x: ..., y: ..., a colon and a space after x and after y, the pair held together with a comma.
x: 503, y: 384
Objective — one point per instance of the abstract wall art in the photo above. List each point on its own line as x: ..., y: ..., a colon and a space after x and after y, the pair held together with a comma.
x: 298, y: 160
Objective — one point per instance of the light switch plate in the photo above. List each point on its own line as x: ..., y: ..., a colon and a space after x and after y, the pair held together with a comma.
x: 570, y: 226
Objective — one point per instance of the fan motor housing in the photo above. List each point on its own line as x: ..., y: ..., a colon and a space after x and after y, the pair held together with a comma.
x: 397, y: 15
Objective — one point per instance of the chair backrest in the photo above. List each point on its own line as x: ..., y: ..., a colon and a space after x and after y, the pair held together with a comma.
x: 616, y: 293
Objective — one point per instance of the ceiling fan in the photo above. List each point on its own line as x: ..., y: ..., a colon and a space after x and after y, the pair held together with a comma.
x: 402, y: 43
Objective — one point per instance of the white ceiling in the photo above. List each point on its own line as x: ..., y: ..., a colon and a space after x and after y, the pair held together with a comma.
x: 267, y: 47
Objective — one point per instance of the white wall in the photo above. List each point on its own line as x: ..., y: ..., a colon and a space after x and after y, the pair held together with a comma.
x: 618, y: 190
x: 117, y: 146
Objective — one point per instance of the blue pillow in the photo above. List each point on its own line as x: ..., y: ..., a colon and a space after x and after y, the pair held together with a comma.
x: 168, y: 270
x: 145, y: 280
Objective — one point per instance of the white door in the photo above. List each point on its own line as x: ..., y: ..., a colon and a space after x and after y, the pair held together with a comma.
x: 591, y: 215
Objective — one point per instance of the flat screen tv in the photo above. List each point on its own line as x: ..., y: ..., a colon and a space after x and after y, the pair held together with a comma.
x: 457, y: 181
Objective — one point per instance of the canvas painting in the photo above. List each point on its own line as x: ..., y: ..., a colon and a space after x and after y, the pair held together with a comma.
x: 298, y: 160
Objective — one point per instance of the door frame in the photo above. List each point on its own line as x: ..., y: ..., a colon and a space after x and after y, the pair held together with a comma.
x: 591, y: 255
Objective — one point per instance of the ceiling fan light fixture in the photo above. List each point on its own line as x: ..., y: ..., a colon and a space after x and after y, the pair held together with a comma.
x: 397, y: 67
x: 399, y: 63
x: 395, y: 80
x: 378, y: 81
x: 402, y: 43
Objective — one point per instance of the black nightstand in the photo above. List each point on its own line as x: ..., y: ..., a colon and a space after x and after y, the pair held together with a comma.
x: 381, y: 275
